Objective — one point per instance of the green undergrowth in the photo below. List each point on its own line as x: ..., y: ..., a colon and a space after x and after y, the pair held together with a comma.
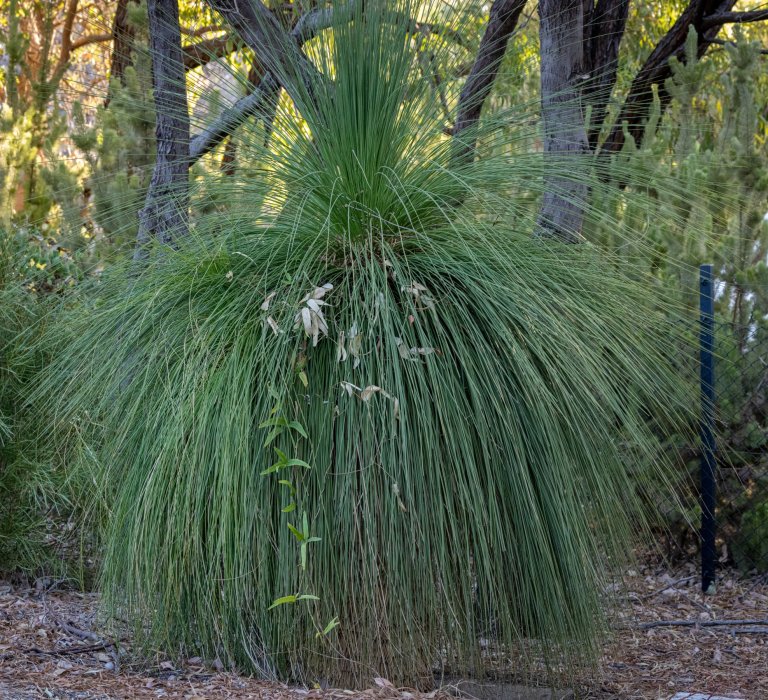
x: 41, y: 534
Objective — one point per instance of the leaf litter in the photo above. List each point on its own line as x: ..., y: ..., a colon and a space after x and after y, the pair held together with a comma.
x: 49, y: 649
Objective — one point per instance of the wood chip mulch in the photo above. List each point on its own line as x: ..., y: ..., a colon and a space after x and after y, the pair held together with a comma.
x: 48, y: 649
x: 652, y: 661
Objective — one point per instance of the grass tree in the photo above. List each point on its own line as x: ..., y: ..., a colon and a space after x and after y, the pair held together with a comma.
x: 365, y: 421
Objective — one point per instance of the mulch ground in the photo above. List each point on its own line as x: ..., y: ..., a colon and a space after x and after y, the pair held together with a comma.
x: 648, y: 660
x: 50, y: 648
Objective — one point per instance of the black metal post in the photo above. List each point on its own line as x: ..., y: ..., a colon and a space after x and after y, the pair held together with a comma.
x: 707, y: 428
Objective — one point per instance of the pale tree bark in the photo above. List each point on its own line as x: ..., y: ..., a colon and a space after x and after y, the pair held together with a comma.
x: 565, y: 139
x: 275, y: 48
x: 267, y: 111
x: 165, y: 212
x: 258, y: 103
x: 261, y: 100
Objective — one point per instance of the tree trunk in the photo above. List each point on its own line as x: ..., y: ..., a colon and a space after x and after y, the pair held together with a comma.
x: 123, y: 34
x: 13, y: 44
x: 165, y: 212
x: 501, y: 23
x: 565, y: 139
x: 603, y: 33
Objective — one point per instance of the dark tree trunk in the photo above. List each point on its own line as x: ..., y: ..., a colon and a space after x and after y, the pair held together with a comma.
x: 565, y: 138
x: 501, y: 23
x: 603, y: 32
x: 123, y: 34
x: 165, y: 212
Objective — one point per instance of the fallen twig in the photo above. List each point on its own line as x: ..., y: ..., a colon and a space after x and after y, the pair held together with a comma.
x: 751, y: 630
x: 77, y: 632
x: 700, y: 623
x: 67, y: 651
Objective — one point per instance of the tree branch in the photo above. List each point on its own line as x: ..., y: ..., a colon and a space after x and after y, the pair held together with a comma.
x: 93, y: 39
x: 720, y: 42
x: 277, y: 50
x: 503, y: 19
x: 233, y: 116
x: 699, y: 623
x: 718, y: 20
x: 311, y: 23
x: 203, y: 52
x: 66, y: 42
x: 259, y: 100
x: 199, y: 31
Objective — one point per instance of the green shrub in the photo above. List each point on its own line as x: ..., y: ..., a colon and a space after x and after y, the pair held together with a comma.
x: 750, y: 544
x: 39, y: 498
